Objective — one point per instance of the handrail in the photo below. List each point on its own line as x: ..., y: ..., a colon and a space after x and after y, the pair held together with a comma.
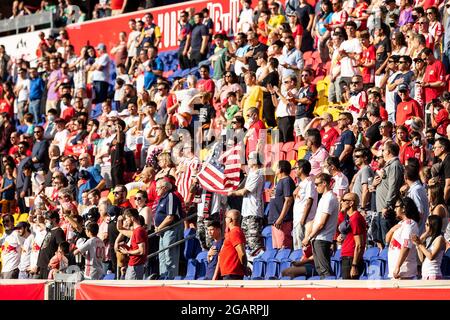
x: 21, y: 22
x: 154, y: 234
x: 171, y: 246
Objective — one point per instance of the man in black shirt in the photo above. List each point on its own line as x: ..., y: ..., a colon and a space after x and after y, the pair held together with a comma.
x: 255, y: 47
x: 199, y: 41
x: 441, y: 150
x: 118, y: 153
x: 373, y: 132
x: 55, y: 235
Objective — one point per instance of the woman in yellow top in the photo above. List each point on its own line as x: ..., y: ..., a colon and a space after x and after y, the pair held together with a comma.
x: 253, y: 97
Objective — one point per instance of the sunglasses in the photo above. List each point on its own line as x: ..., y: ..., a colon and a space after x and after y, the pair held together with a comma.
x: 233, y: 122
x: 346, y: 200
x: 422, y: 23
x: 138, y: 198
x: 318, y: 183
x: 356, y: 82
x: 357, y: 156
x: 117, y: 192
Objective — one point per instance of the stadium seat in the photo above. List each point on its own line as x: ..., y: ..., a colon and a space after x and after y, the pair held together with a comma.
x: 109, y: 276
x: 202, y: 263
x: 267, y: 235
x: 336, y: 263
x: 192, y: 247
x: 191, y: 270
x: 368, y: 255
x: 314, y: 278
x: 273, y: 265
x: 375, y: 270
x: 445, y: 265
x: 300, y: 278
x: 259, y: 264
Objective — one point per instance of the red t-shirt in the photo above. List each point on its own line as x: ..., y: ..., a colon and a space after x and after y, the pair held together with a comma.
x: 433, y: 73
x: 409, y: 151
x: 68, y: 114
x: 408, y: 109
x: 358, y: 226
x: 329, y: 137
x: 369, y: 54
x: 442, y: 120
x: 139, y: 236
x: 252, y: 141
x: 228, y: 257
x: 206, y: 85
x: 383, y: 114
x: 116, y: 4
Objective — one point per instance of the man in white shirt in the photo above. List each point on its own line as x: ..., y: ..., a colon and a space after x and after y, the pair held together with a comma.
x: 324, y: 226
x: 22, y: 91
x: 305, y: 203
x: 286, y: 106
x: 291, y: 61
x: 11, y: 245
x: 100, y: 74
x: 61, y: 134
x: 23, y: 230
x: 349, y: 53
x: 252, y: 204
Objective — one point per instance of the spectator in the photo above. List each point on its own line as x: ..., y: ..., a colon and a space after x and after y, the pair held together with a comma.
x: 324, y: 226
x: 94, y: 251
x: 281, y: 207
x: 199, y: 41
x: 138, y: 249
x: 402, y: 257
x: 252, y: 204
x: 318, y: 153
x: 185, y: 41
x: 100, y: 73
x: 430, y: 248
x: 167, y: 214
x: 305, y: 203
x: 352, y: 236
x: 232, y: 260
x: 343, y: 148
x: 215, y: 232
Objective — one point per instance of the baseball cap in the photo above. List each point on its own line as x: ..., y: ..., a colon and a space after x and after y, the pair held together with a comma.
x: 123, y: 113
x: 113, y: 211
x: 113, y: 114
x: 21, y: 225
x: 403, y: 87
x: 364, y: 117
x: 101, y: 46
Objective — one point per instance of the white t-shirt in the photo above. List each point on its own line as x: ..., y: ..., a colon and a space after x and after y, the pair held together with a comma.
x: 390, y: 95
x: 252, y: 204
x: 245, y: 20
x: 94, y: 251
x: 61, y: 139
x: 348, y: 66
x: 38, y: 239
x: 24, y: 93
x: 184, y: 96
x: 131, y: 44
x: 307, y: 190
x: 11, y: 250
x: 328, y: 204
x: 26, y: 253
x: 402, y: 239
x: 340, y: 186
x: 283, y: 109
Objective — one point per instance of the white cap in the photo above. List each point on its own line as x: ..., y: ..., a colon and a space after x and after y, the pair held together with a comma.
x: 113, y: 114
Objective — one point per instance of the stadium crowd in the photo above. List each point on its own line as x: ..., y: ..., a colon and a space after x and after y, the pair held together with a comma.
x: 339, y: 111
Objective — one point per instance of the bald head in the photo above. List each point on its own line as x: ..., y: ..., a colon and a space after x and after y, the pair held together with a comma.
x: 234, y: 217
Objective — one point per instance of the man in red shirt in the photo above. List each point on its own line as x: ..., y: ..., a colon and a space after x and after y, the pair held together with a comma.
x: 205, y: 84
x: 408, y: 108
x: 352, y: 235
x: 433, y: 81
x: 232, y: 262
x: 138, y: 249
x: 367, y: 61
x: 441, y: 120
x: 253, y: 135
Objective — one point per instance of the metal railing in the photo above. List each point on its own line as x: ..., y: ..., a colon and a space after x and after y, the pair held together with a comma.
x: 22, y: 22
x: 64, y: 285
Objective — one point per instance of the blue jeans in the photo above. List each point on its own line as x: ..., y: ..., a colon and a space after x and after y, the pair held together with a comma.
x: 169, y: 259
x: 35, y: 110
x: 446, y: 60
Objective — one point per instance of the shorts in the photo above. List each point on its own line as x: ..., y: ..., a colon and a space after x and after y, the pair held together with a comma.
x: 300, y: 125
x: 282, y: 238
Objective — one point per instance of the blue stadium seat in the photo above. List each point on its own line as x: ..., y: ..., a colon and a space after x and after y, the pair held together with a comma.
x: 267, y: 235
x: 375, y: 270
x: 273, y: 265
x: 191, y: 270
x: 368, y: 255
x: 383, y: 257
x: 109, y: 276
x: 202, y: 262
x: 296, y: 255
x: 300, y: 278
x: 314, y: 278
x: 445, y: 265
x: 336, y: 263
x: 259, y: 264
x: 192, y: 247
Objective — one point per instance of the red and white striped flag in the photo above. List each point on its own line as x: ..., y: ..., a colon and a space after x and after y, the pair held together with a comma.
x: 191, y: 167
x: 215, y: 177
